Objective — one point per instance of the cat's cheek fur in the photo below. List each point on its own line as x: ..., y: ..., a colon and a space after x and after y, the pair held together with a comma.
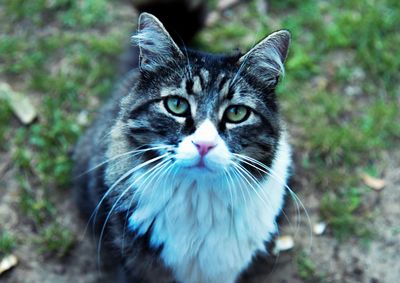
x: 206, y: 234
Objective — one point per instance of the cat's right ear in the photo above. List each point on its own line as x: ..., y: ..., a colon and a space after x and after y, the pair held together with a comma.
x: 266, y: 59
x: 156, y: 46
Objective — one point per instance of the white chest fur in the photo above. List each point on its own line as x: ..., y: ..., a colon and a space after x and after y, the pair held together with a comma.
x: 209, y: 234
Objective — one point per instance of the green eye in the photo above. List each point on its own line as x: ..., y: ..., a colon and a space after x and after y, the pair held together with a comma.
x: 177, y: 105
x: 237, y: 113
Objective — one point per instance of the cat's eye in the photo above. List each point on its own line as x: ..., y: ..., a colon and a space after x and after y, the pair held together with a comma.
x: 177, y: 105
x: 237, y: 113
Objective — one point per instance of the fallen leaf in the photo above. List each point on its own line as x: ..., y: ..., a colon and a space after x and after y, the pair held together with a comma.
x: 225, y: 4
x: 283, y: 243
x: 372, y: 182
x: 212, y: 18
x: 20, y: 103
x: 319, y: 228
x: 7, y: 263
x: 83, y: 118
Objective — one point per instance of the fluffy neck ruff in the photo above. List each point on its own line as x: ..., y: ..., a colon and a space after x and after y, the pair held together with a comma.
x: 211, y: 228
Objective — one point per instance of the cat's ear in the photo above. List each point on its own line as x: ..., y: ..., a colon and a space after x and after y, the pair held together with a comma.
x: 156, y: 46
x: 266, y: 59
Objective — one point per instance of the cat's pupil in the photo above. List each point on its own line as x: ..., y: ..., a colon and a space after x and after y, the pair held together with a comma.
x: 237, y: 114
x: 177, y: 106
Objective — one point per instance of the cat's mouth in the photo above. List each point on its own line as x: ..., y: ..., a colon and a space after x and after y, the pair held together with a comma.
x: 201, y: 163
x: 201, y: 169
x: 200, y: 166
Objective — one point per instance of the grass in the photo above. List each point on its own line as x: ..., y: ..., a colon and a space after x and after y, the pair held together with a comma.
x: 5, y: 115
x: 344, y: 213
x: 307, y: 269
x: 63, y: 72
x: 51, y: 236
x: 340, y: 94
x: 55, y: 240
x: 7, y: 243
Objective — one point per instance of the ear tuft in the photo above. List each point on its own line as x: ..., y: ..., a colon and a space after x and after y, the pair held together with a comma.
x: 268, y: 56
x: 155, y: 44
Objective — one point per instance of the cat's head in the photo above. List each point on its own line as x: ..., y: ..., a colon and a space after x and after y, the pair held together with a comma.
x: 204, y: 111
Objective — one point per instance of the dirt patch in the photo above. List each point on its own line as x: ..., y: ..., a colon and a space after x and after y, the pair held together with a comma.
x: 76, y: 267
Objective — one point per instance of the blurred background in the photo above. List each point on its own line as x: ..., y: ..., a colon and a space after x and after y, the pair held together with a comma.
x: 340, y: 98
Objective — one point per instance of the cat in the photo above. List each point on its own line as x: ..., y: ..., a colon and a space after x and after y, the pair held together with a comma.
x: 186, y: 165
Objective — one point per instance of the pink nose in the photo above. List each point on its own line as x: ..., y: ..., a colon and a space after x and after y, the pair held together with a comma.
x: 204, y: 147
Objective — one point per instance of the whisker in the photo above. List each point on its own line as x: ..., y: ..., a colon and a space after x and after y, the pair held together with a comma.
x: 295, y: 200
x: 133, y: 197
x: 242, y: 169
x: 116, y: 203
x: 131, y: 153
x: 261, y: 189
x: 153, y: 175
x: 273, y: 174
x: 243, y: 159
x: 124, y: 176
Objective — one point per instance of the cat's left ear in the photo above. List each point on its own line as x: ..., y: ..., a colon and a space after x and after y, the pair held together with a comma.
x: 156, y: 46
x: 266, y: 59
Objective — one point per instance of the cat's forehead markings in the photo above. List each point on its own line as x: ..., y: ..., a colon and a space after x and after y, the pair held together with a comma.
x: 223, y: 83
x: 200, y: 81
x: 197, y: 85
x: 187, y: 84
x: 168, y: 91
x: 204, y: 73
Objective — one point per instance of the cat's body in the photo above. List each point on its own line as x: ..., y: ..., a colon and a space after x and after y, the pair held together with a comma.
x: 197, y: 161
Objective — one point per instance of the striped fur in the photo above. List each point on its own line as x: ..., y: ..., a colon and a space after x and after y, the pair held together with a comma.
x: 172, y: 219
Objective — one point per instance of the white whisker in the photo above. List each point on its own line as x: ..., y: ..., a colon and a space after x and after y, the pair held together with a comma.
x: 123, y: 177
x: 267, y: 170
x: 154, y: 172
x: 131, y: 153
x: 242, y: 169
x: 118, y: 200
x: 247, y: 160
x: 261, y: 189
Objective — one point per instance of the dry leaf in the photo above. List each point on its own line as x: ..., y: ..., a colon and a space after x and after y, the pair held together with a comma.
x: 20, y: 103
x: 372, y: 182
x: 7, y: 263
x: 319, y: 228
x: 225, y: 4
x: 83, y: 118
x: 212, y: 18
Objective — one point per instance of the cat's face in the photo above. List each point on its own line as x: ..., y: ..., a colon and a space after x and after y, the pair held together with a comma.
x: 205, y: 109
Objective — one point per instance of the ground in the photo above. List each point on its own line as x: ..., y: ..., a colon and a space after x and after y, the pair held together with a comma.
x: 340, y: 98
